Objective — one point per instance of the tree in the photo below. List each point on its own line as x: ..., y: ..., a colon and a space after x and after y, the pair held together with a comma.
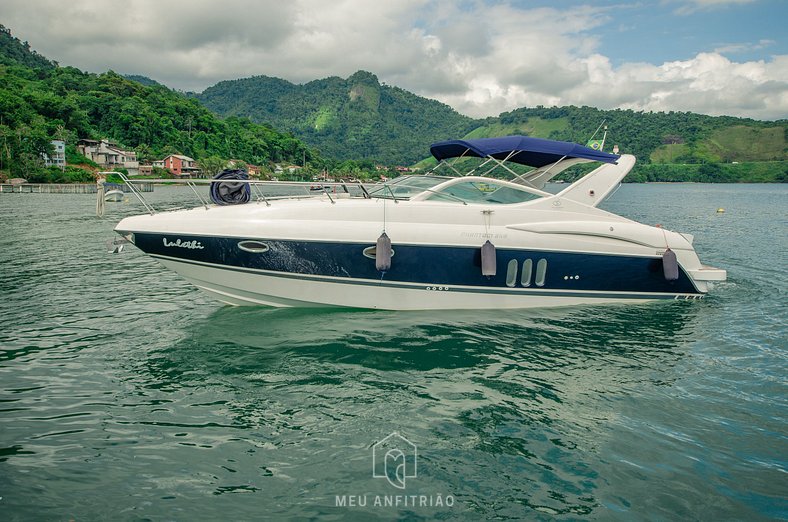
x: 143, y: 152
x: 29, y: 165
x: 212, y: 165
x: 238, y: 164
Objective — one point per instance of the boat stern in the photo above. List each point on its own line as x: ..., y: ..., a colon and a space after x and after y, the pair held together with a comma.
x: 705, y: 277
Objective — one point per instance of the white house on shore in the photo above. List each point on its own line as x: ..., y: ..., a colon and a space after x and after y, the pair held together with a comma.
x: 58, y: 157
x: 109, y: 155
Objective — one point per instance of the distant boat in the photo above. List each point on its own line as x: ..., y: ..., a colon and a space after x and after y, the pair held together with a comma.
x: 114, y: 195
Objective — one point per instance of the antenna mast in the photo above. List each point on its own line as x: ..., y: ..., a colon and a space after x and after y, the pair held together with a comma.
x: 598, y: 144
x: 597, y: 130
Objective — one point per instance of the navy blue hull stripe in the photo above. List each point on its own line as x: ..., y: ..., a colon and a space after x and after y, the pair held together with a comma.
x: 453, y: 266
x: 421, y: 286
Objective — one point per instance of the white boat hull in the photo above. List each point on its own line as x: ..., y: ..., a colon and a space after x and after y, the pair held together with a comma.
x: 264, y: 288
x: 114, y: 196
x: 541, y: 250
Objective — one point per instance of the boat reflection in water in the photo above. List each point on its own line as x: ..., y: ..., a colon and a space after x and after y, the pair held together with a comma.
x: 501, y: 407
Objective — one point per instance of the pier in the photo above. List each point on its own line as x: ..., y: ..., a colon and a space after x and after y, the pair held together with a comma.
x: 64, y: 188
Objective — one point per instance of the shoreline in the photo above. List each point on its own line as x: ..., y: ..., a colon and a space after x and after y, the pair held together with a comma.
x: 61, y: 188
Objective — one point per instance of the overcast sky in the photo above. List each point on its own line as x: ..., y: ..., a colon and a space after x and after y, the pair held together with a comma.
x: 480, y: 57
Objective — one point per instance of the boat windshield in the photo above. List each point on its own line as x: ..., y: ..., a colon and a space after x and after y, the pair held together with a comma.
x: 487, y: 191
x: 466, y: 190
x: 404, y: 187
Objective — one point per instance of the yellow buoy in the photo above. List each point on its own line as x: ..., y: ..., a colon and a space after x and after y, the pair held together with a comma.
x: 720, y: 211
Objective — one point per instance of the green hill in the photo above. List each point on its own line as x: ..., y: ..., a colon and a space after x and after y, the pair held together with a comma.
x: 40, y: 101
x: 356, y: 118
x: 673, y: 146
x: 144, y: 80
x: 660, y: 137
x: 15, y: 52
x: 359, y: 118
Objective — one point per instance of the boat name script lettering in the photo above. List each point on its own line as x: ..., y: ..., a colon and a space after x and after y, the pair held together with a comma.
x: 483, y: 235
x: 194, y: 245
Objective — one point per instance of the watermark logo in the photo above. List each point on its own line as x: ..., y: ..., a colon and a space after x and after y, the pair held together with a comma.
x: 394, y: 458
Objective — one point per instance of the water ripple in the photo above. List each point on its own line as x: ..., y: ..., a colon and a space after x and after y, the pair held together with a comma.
x: 127, y: 394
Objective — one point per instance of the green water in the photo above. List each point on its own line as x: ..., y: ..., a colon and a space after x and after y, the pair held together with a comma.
x: 125, y: 394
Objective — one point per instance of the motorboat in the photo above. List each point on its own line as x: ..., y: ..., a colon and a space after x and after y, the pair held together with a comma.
x: 471, y: 240
x: 113, y: 192
x: 114, y: 195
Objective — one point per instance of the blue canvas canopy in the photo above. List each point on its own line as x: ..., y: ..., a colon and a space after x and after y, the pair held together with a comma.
x: 534, y: 152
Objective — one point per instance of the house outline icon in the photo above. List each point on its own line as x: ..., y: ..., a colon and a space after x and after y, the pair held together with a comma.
x: 392, y: 446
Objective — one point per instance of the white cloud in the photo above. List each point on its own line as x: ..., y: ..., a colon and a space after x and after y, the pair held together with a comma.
x: 709, y: 83
x: 480, y: 59
x: 689, y: 7
x: 736, y: 48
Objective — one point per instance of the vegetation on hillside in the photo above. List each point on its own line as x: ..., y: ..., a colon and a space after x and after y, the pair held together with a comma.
x: 144, y: 80
x: 356, y: 118
x: 40, y: 101
x: 750, y: 172
x: 41, y: 104
x: 15, y: 52
x: 663, y: 137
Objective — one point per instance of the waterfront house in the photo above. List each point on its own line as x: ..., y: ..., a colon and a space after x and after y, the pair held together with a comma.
x: 109, y: 155
x: 180, y: 165
x: 58, y: 156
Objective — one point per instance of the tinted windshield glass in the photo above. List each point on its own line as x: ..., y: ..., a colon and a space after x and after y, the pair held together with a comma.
x: 483, y: 192
x: 407, y: 186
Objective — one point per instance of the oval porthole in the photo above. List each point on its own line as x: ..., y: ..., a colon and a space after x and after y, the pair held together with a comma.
x: 255, y: 247
x: 511, y: 273
x: 528, y: 265
x: 541, y: 272
x: 371, y: 252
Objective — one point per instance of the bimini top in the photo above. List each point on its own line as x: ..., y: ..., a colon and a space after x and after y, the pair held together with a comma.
x: 534, y: 152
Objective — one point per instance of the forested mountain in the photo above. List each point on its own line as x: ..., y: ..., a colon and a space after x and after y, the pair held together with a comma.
x: 348, y: 119
x: 673, y: 146
x: 658, y: 137
x: 40, y: 101
x: 359, y: 118
x: 15, y: 52
x: 144, y: 80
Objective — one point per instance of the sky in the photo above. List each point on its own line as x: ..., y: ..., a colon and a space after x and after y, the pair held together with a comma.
x: 718, y: 57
